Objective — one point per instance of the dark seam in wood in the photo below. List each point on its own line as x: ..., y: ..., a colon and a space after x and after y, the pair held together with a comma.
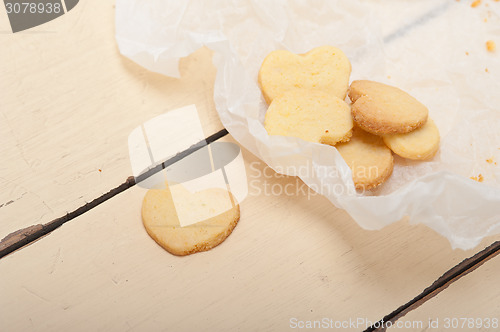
x: 458, y: 271
x: 7, y: 203
x: 25, y: 236
x: 428, y: 16
x: 29, y: 234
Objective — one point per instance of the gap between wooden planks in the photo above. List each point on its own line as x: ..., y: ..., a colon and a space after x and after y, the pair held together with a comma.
x: 68, y: 102
x: 23, y: 237
x: 460, y: 270
x: 34, y: 232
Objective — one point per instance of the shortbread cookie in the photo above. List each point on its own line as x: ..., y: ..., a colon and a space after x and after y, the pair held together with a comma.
x: 324, y: 68
x: 382, y: 109
x: 161, y: 219
x: 419, y: 144
x: 370, y: 160
x: 312, y: 115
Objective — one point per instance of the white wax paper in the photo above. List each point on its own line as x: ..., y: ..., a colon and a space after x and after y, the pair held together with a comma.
x: 435, y: 50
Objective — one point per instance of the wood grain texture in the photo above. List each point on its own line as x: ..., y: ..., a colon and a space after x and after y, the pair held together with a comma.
x: 292, y: 255
x: 397, y: 317
x: 68, y: 101
x: 469, y: 303
x: 27, y: 235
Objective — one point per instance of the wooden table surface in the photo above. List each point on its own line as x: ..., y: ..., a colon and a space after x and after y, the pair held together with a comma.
x: 68, y: 101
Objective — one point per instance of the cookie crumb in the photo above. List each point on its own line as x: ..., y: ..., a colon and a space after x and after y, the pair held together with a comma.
x: 478, y: 178
x: 486, y: 70
x: 475, y: 3
x: 491, y: 46
x: 491, y: 161
x: 466, y: 53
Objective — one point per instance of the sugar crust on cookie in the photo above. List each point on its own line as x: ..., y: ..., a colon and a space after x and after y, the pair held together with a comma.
x: 312, y: 115
x: 324, y: 68
x: 369, y: 159
x: 161, y: 221
x: 382, y: 109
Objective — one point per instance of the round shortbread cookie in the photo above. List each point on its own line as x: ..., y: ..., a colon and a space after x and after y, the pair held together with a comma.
x: 160, y: 217
x: 312, y: 115
x: 419, y: 144
x: 324, y: 68
x: 369, y: 159
x: 382, y: 109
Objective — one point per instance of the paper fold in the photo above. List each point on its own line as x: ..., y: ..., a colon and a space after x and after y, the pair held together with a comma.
x: 436, y: 53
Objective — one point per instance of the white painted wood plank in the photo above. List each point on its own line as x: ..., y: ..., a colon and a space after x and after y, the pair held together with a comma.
x: 469, y: 304
x: 290, y: 256
x: 68, y: 101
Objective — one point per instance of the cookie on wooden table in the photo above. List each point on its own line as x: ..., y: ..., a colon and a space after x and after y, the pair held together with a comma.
x: 383, y: 109
x: 160, y: 217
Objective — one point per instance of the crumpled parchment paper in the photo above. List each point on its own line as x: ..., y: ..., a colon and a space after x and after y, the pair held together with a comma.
x: 435, y: 50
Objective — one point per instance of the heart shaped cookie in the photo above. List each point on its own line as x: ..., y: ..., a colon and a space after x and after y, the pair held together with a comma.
x: 314, y: 116
x: 323, y: 68
x: 420, y: 144
x: 383, y: 109
x: 369, y: 159
x: 215, y: 208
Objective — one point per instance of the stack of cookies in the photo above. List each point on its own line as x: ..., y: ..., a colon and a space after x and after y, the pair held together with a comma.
x: 306, y: 95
